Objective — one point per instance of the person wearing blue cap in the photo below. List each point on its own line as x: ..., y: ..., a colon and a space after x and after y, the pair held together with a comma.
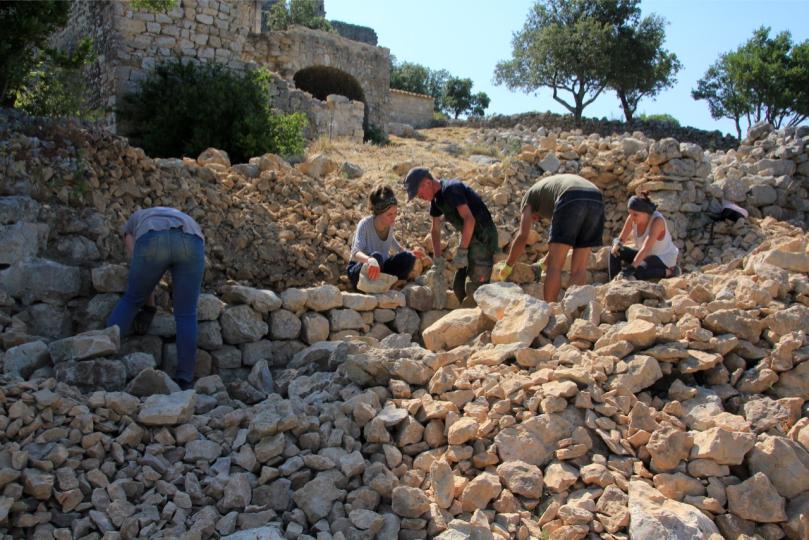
x: 654, y: 255
x: 466, y: 211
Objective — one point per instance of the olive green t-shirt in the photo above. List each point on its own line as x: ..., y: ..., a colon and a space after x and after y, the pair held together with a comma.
x: 542, y: 196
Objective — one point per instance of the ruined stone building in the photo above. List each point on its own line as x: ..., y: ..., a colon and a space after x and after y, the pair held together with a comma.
x: 314, y: 68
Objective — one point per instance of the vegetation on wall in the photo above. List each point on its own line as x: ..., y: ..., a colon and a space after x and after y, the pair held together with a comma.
x: 301, y: 12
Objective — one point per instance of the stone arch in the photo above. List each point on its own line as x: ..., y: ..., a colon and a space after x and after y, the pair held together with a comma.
x: 320, y: 81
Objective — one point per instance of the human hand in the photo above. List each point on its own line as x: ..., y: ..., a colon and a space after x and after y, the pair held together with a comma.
x: 439, y: 264
x: 419, y: 253
x: 506, y: 271
x: 461, y: 259
x: 373, y: 268
x: 616, y: 246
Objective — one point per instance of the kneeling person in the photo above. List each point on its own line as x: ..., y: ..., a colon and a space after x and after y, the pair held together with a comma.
x: 576, y: 210
x: 654, y: 255
x: 374, y: 240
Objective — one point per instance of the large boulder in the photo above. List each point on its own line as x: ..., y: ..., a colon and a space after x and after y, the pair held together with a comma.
x: 455, y: 328
x: 493, y: 298
x: 653, y: 515
x: 87, y: 345
x: 522, y: 321
x: 41, y: 280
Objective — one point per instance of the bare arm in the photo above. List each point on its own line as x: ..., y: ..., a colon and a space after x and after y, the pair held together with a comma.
x: 468, y: 225
x: 361, y: 257
x: 518, y: 245
x: 129, y: 245
x: 626, y: 230
x: 435, y: 236
x: 657, y: 229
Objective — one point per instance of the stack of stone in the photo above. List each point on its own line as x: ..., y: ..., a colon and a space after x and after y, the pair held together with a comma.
x: 665, y: 410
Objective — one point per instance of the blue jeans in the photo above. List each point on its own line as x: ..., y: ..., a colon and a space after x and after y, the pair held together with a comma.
x: 184, y: 255
x: 400, y: 265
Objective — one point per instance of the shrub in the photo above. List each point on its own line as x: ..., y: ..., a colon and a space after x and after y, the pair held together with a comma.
x: 375, y: 135
x: 181, y: 109
x: 57, y: 86
x: 662, y: 118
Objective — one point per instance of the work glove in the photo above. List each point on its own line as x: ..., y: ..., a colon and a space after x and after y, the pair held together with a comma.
x: 143, y: 320
x: 461, y: 259
x: 505, y: 272
x: 373, y: 268
x: 439, y: 264
x: 616, y: 246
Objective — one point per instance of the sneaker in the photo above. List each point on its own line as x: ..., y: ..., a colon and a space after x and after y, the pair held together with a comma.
x: 184, y: 385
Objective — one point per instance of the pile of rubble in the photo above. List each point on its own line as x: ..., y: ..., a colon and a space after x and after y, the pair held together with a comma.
x: 670, y: 410
x: 628, y: 409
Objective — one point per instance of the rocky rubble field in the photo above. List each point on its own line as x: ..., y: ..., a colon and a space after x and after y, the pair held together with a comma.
x: 627, y: 410
x: 271, y: 223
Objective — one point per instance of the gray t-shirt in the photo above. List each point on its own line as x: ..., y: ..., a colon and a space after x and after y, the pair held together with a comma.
x: 367, y: 240
x: 160, y: 218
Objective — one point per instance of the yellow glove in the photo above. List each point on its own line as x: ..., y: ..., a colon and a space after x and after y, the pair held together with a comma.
x: 505, y: 272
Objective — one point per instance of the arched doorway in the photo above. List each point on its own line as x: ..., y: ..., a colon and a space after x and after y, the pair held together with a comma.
x: 320, y: 81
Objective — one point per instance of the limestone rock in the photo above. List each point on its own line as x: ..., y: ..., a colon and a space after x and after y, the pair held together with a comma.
x: 494, y: 298
x: 521, y: 478
x: 652, y: 515
x: 453, y: 329
x: 724, y: 447
x: 90, y: 344
x: 168, y: 410
x: 241, y: 324
x: 757, y: 500
x: 522, y: 321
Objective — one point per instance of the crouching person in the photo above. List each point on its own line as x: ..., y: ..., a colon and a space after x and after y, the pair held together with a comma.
x: 654, y: 254
x: 375, y: 242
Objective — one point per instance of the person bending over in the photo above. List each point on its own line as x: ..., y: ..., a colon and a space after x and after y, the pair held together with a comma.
x: 157, y: 240
x: 576, y: 210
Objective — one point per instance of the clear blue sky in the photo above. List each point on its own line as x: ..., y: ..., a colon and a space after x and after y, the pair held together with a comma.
x: 468, y: 37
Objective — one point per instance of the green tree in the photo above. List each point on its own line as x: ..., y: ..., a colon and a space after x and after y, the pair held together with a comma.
x: 26, y: 27
x: 480, y: 102
x: 566, y: 45
x: 641, y: 67
x: 410, y: 77
x: 765, y: 79
x: 301, y: 12
x: 458, y: 96
x: 57, y: 86
x: 721, y: 90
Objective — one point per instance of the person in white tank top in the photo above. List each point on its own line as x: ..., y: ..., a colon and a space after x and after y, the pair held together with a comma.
x: 654, y: 255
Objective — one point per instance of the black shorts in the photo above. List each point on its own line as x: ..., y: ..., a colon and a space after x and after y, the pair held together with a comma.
x: 578, y: 219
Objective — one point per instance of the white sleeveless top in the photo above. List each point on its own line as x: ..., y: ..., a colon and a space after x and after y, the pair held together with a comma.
x: 664, y: 249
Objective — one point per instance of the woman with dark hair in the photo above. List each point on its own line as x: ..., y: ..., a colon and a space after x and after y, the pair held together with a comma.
x: 654, y: 255
x: 374, y: 240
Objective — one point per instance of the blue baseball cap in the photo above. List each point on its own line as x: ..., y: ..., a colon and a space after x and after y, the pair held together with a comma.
x: 413, y: 179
